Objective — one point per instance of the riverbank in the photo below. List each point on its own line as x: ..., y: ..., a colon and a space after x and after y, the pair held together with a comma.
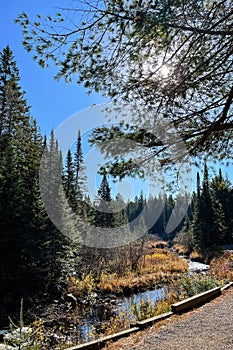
x: 206, y: 328
x: 62, y: 323
x: 156, y: 266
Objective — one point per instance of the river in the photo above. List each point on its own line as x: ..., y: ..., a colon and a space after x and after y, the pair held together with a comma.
x: 103, y: 309
x: 113, y: 306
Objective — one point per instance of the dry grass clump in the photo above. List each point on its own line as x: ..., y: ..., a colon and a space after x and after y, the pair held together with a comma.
x: 196, y: 256
x: 154, y: 268
x: 222, y: 267
x: 114, y: 325
x: 163, y: 261
x: 181, y: 249
x: 148, y: 308
x: 157, y: 244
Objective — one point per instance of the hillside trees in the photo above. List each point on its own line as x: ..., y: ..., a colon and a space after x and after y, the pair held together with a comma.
x: 20, y: 151
x: 32, y: 250
x: 21, y: 217
x: 208, y: 224
x: 62, y: 238
x: 170, y: 57
x: 222, y: 189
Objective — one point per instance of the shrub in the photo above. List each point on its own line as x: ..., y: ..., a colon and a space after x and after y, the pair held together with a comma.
x: 83, y: 286
x: 147, y: 308
x: 189, y: 286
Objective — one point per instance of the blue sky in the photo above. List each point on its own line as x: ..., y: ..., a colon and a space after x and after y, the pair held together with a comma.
x: 51, y: 101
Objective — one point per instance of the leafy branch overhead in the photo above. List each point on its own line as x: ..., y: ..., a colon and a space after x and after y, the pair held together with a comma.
x: 122, y: 48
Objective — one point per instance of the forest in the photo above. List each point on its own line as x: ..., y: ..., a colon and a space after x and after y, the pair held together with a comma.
x: 36, y: 258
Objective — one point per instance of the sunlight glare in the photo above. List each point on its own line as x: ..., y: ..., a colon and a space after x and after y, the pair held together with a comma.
x: 165, y: 70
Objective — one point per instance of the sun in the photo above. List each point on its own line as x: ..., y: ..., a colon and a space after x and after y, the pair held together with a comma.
x: 165, y: 71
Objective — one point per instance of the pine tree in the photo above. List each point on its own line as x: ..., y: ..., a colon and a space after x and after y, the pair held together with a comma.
x: 69, y: 181
x: 197, y: 225
x: 21, y: 212
x: 80, y: 170
x: 208, y: 226
x: 104, y: 216
x: 62, y: 235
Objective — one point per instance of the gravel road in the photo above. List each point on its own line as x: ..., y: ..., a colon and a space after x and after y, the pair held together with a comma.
x: 206, y: 328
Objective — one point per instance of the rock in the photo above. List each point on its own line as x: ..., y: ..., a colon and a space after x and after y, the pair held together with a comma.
x: 70, y: 298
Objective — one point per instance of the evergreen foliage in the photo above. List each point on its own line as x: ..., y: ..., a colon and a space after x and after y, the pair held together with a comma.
x: 69, y: 182
x: 172, y: 57
x: 62, y: 235
x: 20, y: 211
x: 80, y: 170
x: 35, y: 257
x: 104, y: 216
x: 208, y: 223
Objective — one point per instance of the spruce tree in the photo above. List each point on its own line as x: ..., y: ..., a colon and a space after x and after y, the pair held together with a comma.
x: 69, y: 181
x: 208, y: 212
x: 119, y: 216
x: 14, y: 112
x: 80, y: 170
x: 197, y: 224
x: 223, y: 203
x: 208, y: 226
x: 21, y: 210
x: 104, y: 216
x: 62, y: 235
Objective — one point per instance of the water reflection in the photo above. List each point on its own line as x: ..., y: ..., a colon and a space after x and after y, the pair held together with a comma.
x: 102, y: 313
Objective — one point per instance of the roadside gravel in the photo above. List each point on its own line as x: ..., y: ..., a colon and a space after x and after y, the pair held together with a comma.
x: 209, y: 327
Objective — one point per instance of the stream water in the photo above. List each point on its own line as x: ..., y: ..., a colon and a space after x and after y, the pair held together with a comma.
x: 113, y: 307
x: 102, y: 310
x: 196, y: 267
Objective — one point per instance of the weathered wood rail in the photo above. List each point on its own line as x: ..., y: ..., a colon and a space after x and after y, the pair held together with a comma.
x: 195, y: 301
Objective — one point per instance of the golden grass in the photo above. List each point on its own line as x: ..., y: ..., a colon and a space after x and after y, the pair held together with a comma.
x: 222, y: 267
x: 196, y: 256
x: 157, y: 244
x: 180, y: 249
x: 154, y: 268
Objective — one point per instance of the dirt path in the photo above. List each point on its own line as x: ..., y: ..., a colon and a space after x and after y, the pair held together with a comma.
x: 207, y: 328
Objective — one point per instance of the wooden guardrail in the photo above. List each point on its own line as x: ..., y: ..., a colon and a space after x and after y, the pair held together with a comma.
x: 150, y: 321
x: 98, y: 344
x: 195, y: 301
